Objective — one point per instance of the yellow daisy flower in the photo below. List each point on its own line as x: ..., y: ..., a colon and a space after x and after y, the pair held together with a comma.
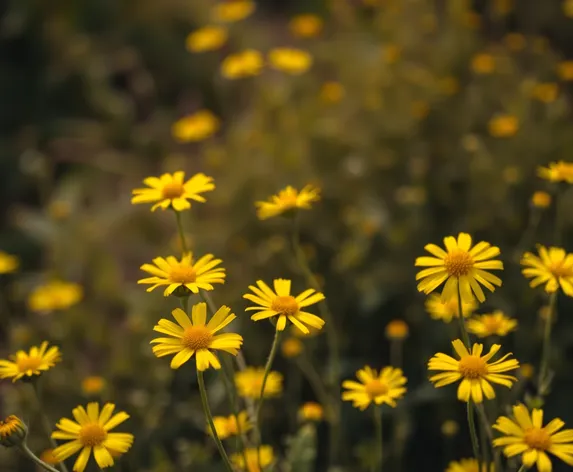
x: 282, y: 304
x: 290, y: 60
x: 541, y: 199
x: 193, y: 336
x: 483, y: 63
x: 228, y: 426
x: 474, y: 371
x: 12, y: 431
x: 170, y: 191
x: 30, y: 364
x: 196, y: 127
x: 397, y: 330
x: 461, y: 266
x: 8, y: 263
x: 265, y: 453
x: 525, y: 434
x: 554, y: 268
x: 91, y: 432
x: 503, y: 126
x: 468, y: 465
x: 491, y: 324
x: 231, y: 11
x: 306, y: 26
x: 385, y: 386
x: 288, y: 199
x: 190, y: 276
x: 250, y: 381
x: 557, y: 172
x: 447, y: 310
x: 55, y: 295
x: 291, y: 347
x: 93, y: 385
x: 311, y: 411
x: 247, y: 63
x: 208, y: 38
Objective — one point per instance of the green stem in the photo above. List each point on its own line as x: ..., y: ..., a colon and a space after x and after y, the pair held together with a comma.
x: 396, y: 353
x: 208, y: 414
x: 473, y: 433
x: 489, y: 433
x: 24, y: 448
x: 317, y: 385
x: 522, y: 468
x: 181, y: 232
x: 379, y: 446
x: 461, y: 320
x: 543, y: 381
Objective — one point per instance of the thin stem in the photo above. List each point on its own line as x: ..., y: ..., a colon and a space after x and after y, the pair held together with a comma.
x: 208, y: 414
x: 396, y: 353
x: 461, y: 320
x: 489, y: 433
x: 379, y: 446
x: 24, y: 448
x: 543, y: 381
x: 316, y: 384
x: 473, y: 433
x: 182, y: 238
x: 522, y: 468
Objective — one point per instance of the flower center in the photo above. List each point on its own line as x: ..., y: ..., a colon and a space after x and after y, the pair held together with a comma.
x: 172, y: 190
x: 537, y: 438
x: 232, y: 426
x: 375, y: 388
x: 28, y: 363
x: 492, y: 325
x: 183, y: 275
x: 92, y: 435
x: 196, y: 337
x: 472, y: 367
x: 286, y: 305
x: 458, y: 263
x: 558, y: 269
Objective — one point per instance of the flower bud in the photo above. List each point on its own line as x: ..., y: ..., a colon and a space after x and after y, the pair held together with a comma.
x: 13, y: 431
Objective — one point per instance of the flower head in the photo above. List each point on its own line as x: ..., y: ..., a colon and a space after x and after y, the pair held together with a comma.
x: 483, y: 63
x: 93, y: 385
x: 250, y: 381
x: 525, y: 434
x: 468, y: 465
x: 91, y: 432
x: 208, y: 38
x: 30, y: 364
x: 447, y: 310
x: 170, y: 191
x: 290, y: 60
x: 545, y: 92
x: 503, y: 126
x: 55, y: 295
x: 264, y: 453
x: 291, y: 347
x: 282, y: 304
x: 196, y: 127
x: 195, y: 336
x: 557, y: 172
x: 332, y: 92
x: 228, y: 426
x: 492, y: 324
x: 397, y: 330
x: 288, y: 199
x: 13, y: 431
x: 247, y: 63
x: 231, y: 11
x: 385, y: 386
x: 311, y: 411
x: 185, y: 276
x: 460, y: 265
x: 553, y: 267
x: 474, y: 371
x: 306, y: 26
x: 565, y: 70
x: 8, y: 263
x: 541, y: 199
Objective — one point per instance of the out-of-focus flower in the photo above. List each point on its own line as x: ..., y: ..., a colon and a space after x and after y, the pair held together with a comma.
x: 8, y: 263
x: 264, y: 453
x: 250, y: 381
x: 541, y: 199
x: 503, y: 7
x: 311, y: 411
x: 55, y: 295
x: 93, y: 385
x: 332, y: 92
x: 568, y: 8
x: 397, y: 330
x: 231, y: 11
x: 243, y: 64
x: 492, y: 324
x: 196, y: 127
x: 91, y: 432
x: 291, y: 347
x: 290, y: 60
x: 446, y: 310
x: 546, y: 92
x: 474, y: 370
x: 553, y: 267
x: 511, y: 174
x: 13, y: 431
x: 450, y: 428
x: 526, y: 371
x: 288, y: 199
x: 196, y: 337
x: 557, y: 172
x: 469, y: 465
x: 514, y: 41
x: 483, y: 63
x: 208, y: 38
x: 565, y: 70
x: 385, y: 386
x: 30, y: 364
x: 503, y: 126
x: 391, y: 53
x: 228, y: 426
x: 306, y: 26
x: 48, y: 457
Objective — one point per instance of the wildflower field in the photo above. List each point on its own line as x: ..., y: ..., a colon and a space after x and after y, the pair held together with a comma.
x: 327, y: 235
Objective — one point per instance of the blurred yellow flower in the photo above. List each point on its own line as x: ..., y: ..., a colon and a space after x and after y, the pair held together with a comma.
x: 397, y: 330
x: 450, y: 428
x: 264, y: 454
x: 288, y: 199
x: 525, y: 434
x: 468, y: 465
x: 554, y: 268
x: 91, y: 432
x: 483, y: 63
x: 565, y: 70
x: 491, y: 324
x: 246, y: 63
x: 48, y: 457
x: 208, y: 38
x: 306, y: 26
x: 55, y: 295
x: 557, y: 172
x: 568, y: 8
x: 446, y: 310
x: 93, y: 385
x: 29, y: 364
x: 526, y: 371
x: 332, y: 92
x: 311, y: 411
x: 290, y: 60
x: 228, y: 426
x: 196, y: 127
x: 391, y: 53
x: 282, y: 304
x: 545, y: 92
x: 385, y: 386
x: 291, y: 347
x: 541, y: 199
x: 474, y: 371
x: 503, y: 126
x: 231, y: 11
x: 250, y: 381
x: 514, y: 41
x: 13, y: 431
x: 189, y: 337
x: 8, y: 263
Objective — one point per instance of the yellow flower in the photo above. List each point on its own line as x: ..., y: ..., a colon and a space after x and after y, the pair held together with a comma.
x: 282, y: 304
x: 247, y: 63
x: 565, y: 70
x: 311, y: 411
x: 545, y: 92
x: 397, y: 330
x: 541, y: 199
x: 288, y: 199
x: 227, y: 426
x: 447, y: 310
x: 48, y: 457
x: 468, y: 465
x: 450, y: 428
x: 190, y: 276
x: 193, y: 336
x: 483, y: 63
x: 13, y: 431
x: 28, y: 364
x: 55, y: 295
x: 557, y: 172
x: 514, y: 41
x: 231, y: 11
x: 554, y: 268
x: 208, y: 38
x: 306, y: 26
x: 265, y: 453
x: 250, y: 381
x: 568, y: 8
x: 503, y: 126
x: 291, y: 347
x: 391, y: 53
x: 526, y: 371
x: 385, y: 386
x: 493, y: 324
x: 8, y: 263
x: 91, y: 432
x: 93, y: 385
x: 290, y: 60
x: 196, y: 127
x: 461, y: 266
x: 332, y: 92
x: 170, y: 191
x: 474, y: 371
x: 525, y: 434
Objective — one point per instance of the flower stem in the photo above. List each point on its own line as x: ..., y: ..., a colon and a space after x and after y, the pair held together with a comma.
x: 489, y: 433
x: 461, y: 320
x: 523, y: 468
x: 316, y: 384
x: 24, y: 448
x: 209, y: 415
x: 379, y: 439
x: 182, y: 238
x: 543, y: 381
x: 473, y: 433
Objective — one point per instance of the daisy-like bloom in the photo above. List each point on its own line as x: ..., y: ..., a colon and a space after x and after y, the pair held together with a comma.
x: 282, y: 304
x: 447, y: 310
x: 171, y: 191
x: 12, y: 431
x: 461, y: 266
x: 545, y: 92
x: 8, y: 263
x: 30, y: 364
x: 311, y: 411
x: 560, y: 171
x: 332, y: 92
x: 553, y: 267
x: 290, y: 60
x: 483, y: 63
x: 91, y: 432
x: 385, y: 386
x: 247, y: 63
x: 468, y: 465
x: 93, y: 385
x: 525, y: 434
x: 231, y: 11
x: 208, y: 38
x: 55, y: 295
x: 503, y: 126
x: 491, y: 324
x: 196, y: 127
x: 228, y: 426
x: 291, y: 347
x: 264, y: 453
x: 195, y: 336
x: 474, y: 371
x: 288, y: 199
x: 250, y: 381
x: 190, y: 276
x: 306, y: 26
x: 397, y: 330
x: 541, y: 199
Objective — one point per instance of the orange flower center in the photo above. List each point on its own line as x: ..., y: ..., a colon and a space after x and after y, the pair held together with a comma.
x: 288, y: 200
x: 558, y: 269
x: 183, y: 275
x: 458, y: 263
x: 286, y: 305
x: 375, y: 388
x: 232, y: 426
x: 172, y: 190
x: 196, y: 337
x: 491, y: 324
x: 537, y: 438
x: 472, y: 367
x: 92, y: 435
x: 28, y: 363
